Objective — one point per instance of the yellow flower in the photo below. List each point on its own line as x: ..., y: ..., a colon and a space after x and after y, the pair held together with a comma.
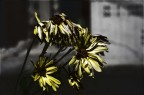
x: 41, y: 30
x: 74, y: 81
x: 56, y: 30
x: 61, y: 28
x: 89, y: 49
x: 42, y: 71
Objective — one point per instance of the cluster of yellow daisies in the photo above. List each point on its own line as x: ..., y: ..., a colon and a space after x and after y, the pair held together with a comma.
x: 88, y: 48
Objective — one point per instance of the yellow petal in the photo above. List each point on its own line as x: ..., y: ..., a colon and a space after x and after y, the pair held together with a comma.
x: 87, y: 70
x: 41, y: 82
x: 36, y: 77
x: 66, y: 28
x: 38, y: 20
x: 39, y: 32
x: 72, y: 60
x: 54, y: 88
x: 70, y: 82
x: 95, y: 56
x: 56, y: 85
x: 35, y: 30
x: 100, y: 59
x: 51, y: 28
x: 95, y: 65
x: 54, y: 80
x: 79, y: 71
x: 53, y: 68
x: 61, y: 29
x: 99, y: 49
x: 44, y: 88
x: 44, y: 81
x: 48, y: 81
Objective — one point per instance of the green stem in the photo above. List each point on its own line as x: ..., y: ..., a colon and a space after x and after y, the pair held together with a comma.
x: 24, y: 63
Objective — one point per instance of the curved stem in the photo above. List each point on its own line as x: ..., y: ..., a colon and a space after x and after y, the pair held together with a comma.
x: 44, y: 49
x: 57, y: 52
x: 71, y: 49
x: 24, y: 63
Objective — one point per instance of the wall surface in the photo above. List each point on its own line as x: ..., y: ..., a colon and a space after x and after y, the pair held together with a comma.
x: 123, y: 30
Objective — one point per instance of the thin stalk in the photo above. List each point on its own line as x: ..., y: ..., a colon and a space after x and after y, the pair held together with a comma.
x: 24, y: 63
x: 71, y: 49
x: 66, y: 70
x: 65, y: 64
x: 57, y: 52
x: 44, y: 49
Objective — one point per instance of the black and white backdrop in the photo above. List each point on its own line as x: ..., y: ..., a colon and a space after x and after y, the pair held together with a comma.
x: 122, y: 21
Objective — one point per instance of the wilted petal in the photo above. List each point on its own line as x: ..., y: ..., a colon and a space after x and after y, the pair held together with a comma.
x: 79, y: 71
x: 73, y: 59
x: 36, y: 77
x: 95, y: 65
x: 54, y: 80
x: 53, y: 68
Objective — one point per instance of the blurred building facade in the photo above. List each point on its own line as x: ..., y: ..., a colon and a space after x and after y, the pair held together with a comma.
x: 111, y: 18
x: 120, y: 20
x: 123, y: 30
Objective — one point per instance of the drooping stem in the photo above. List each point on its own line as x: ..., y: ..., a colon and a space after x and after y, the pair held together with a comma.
x: 44, y: 49
x: 71, y: 49
x: 57, y: 52
x: 63, y: 65
x: 23, y: 66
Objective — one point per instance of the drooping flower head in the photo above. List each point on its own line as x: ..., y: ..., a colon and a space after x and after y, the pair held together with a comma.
x: 57, y: 30
x: 89, y: 49
x: 42, y: 72
x: 41, y: 31
x: 74, y: 80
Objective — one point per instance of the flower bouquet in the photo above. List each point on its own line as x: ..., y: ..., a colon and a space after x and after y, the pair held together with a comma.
x: 71, y: 39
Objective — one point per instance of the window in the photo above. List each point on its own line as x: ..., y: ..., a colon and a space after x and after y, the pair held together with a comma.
x: 106, y: 12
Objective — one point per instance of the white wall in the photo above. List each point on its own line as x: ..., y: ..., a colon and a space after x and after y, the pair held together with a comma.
x: 123, y: 31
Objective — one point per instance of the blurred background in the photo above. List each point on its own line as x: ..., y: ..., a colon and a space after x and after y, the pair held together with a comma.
x: 122, y: 21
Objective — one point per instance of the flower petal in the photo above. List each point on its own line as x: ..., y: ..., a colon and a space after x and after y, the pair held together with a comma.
x: 72, y: 60
x: 54, y: 80
x: 95, y: 65
x: 36, y: 77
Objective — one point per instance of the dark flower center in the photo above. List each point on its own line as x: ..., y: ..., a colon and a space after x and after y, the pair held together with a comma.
x: 57, y: 20
x: 42, y: 72
x: 82, y: 53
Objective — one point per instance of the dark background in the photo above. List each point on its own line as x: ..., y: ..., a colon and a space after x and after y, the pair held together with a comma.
x: 16, y: 30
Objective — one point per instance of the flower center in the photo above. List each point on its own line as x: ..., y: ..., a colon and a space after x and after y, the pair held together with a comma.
x: 82, y: 53
x: 42, y: 72
x: 57, y: 19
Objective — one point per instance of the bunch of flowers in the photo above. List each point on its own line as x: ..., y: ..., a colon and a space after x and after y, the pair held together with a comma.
x: 69, y: 37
